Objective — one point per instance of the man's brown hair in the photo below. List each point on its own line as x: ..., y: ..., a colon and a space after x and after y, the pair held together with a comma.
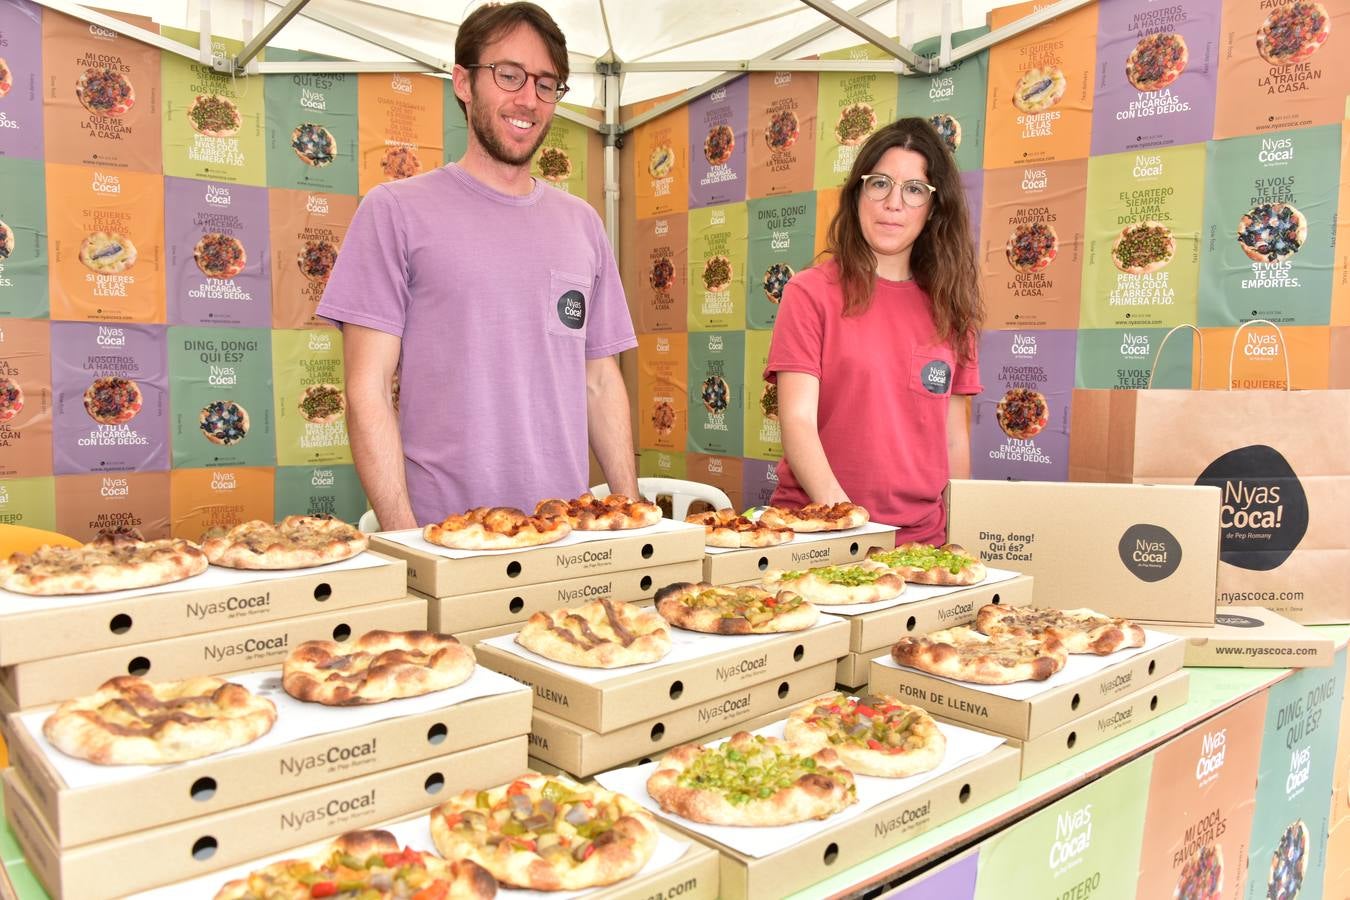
x: 492, y: 21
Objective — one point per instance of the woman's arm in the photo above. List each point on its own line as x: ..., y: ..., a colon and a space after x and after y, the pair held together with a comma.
x: 798, y: 399
x: 958, y: 436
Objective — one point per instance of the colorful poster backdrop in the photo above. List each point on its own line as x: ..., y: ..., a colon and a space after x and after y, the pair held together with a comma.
x: 213, y: 123
x: 717, y: 275
x: 106, y: 250
x: 1031, y: 244
x: 110, y: 395
x: 320, y: 491
x: 400, y: 129
x: 663, y: 401
x: 954, y: 881
x: 763, y: 437
x: 717, y: 144
x: 562, y: 160
x: 1156, y: 74
x: 1123, y: 358
x: 23, y: 238
x: 456, y: 126
x: 779, y: 144
x: 307, y: 231
x: 1282, y: 64
x: 1340, y: 358
x: 221, y: 397
x: 973, y: 184
x: 850, y: 107
x: 25, y: 399
x: 121, y: 503
x: 1020, y: 427
x: 1259, y: 358
x: 310, y: 398
x: 661, y: 464
x: 781, y: 244
x: 1338, y: 842
x: 716, y: 392
x: 101, y: 95
x: 722, y: 472
x: 953, y: 100
x: 202, y: 499
x: 311, y: 127
x: 1040, y: 88
x: 658, y: 289
x: 28, y: 501
x: 661, y: 165
x: 219, y: 255
x: 1340, y: 288
x: 1143, y: 238
x: 21, y: 112
x: 1269, y: 216
x: 759, y: 480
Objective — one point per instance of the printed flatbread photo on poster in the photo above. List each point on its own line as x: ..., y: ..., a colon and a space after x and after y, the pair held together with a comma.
x: 213, y: 122
x: 21, y: 64
x: 219, y: 253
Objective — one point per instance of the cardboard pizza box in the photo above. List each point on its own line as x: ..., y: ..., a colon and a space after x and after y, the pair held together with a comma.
x: 471, y: 612
x: 42, y: 681
x: 822, y: 548
x: 702, y: 666
x: 218, y: 599
x: 1254, y: 638
x: 1148, y: 552
x: 582, y: 752
x: 1030, y: 709
x: 472, y: 639
x: 443, y: 572
x: 81, y: 803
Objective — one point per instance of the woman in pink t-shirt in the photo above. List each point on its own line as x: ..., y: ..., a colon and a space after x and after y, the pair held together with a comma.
x: 874, y: 351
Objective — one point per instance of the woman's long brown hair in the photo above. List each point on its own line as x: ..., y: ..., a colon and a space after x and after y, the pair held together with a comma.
x: 943, y: 259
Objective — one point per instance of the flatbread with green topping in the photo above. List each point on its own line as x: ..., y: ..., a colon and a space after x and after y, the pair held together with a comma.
x: 950, y: 564
x: 733, y: 610
x: 861, y: 582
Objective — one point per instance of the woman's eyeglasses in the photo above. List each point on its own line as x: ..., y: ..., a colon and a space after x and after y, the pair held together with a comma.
x: 914, y: 193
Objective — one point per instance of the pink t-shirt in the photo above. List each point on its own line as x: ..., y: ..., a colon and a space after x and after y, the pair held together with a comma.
x: 885, y: 384
x: 499, y: 300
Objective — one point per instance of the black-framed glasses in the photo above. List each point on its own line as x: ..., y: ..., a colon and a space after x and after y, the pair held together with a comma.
x: 914, y: 193
x: 511, y: 78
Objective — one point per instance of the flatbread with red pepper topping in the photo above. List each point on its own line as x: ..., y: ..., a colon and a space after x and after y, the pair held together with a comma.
x: 728, y: 528
x: 113, y: 400
x: 612, y: 513
x: 11, y: 399
x: 733, y: 610
x: 964, y: 654
x: 316, y: 260
x: 1291, y: 34
x: 1022, y: 413
x: 815, y: 517
x: 1143, y: 247
x: 874, y: 735
x: 219, y: 255
x: 601, y: 634
x: 1032, y: 246
x: 1201, y: 876
x: 323, y: 404
x: 719, y: 144
x: 782, y: 130
x: 1157, y: 61
x: 105, y: 92
x: 6, y: 78
x: 495, y: 528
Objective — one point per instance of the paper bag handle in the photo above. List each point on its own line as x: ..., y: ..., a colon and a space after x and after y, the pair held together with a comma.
x: 1284, y: 348
x: 1200, y: 340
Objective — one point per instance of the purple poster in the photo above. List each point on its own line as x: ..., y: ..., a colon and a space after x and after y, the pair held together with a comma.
x: 20, y: 79
x: 1020, y: 427
x: 952, y: 882
x: 759, y: 479
x: 110, y: 392
x: 219, y: 256
x: 1157, y: 74
x: 973, y: 182
x: 717, y: 136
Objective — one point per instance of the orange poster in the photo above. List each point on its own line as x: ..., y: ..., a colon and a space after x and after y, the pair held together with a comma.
x: 106, y: 244
x: 307, y: 232
x: 660, y: 169
x: 782, y: 132
x: 1340, y: 377
x: 90, y: 505
x: 663, y: 403
x: 25, y: 398
x: 725, y: 472
x: 202, y: 499
x: 399, y: 131
x: 1259, y: 358
x: 657, y: 291
x: 1040, y: 88
x: 827, y: 204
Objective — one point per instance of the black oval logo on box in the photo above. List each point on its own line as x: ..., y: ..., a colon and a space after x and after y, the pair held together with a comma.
x: 1264, y: 512
x: 936, y: 376
x: 1233, y: 621
x: 572, y: 309
x: 1150, y: 552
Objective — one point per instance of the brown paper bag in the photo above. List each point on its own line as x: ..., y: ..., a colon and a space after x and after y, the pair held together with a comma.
x: 1281, y: 460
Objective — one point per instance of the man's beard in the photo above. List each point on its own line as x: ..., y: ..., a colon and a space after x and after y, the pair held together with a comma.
x: 481, y: 120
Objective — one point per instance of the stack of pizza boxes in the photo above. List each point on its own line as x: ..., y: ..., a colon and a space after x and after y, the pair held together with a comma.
x: 308, y: 772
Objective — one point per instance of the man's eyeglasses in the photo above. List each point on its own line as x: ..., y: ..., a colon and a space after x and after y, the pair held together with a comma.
x: 511, y: 77
x: 914, y: 193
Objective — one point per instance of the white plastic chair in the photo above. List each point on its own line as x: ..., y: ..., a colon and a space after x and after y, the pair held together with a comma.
x: 681, y: 492
x: 368, y: 524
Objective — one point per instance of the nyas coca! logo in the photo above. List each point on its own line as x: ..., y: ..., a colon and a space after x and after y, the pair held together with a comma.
x: 572, y: 310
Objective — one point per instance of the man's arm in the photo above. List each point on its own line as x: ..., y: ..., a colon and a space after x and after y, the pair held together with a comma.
x: 608, y: 424
x: 371, y: 357
x: 958, y: 436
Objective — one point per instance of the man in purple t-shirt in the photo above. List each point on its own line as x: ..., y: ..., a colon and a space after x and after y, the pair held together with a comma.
x: 494, y: 296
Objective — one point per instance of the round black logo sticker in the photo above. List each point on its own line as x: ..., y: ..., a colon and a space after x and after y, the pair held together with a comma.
x: 936, y: 377
x: 1263, y: 513
x: 572, y: 309
x: 1233, y: 621
x: 1150, y: 552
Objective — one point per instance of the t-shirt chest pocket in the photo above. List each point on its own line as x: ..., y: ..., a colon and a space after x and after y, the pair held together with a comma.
x: 930, y: 375
x: 566, y: 306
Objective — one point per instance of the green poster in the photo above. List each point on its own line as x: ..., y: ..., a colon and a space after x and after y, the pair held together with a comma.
x: 1270, y: 217
x: 320, y: 491
x: 311, y: 128
x: 1086, y: 845
x: 28, y: 501
x: 23, y: 238
x: 1298, y: 763
x: 763, y: 439
x: 1122, y: 358
x: 717, y: 273
x: 1142, y: 231
x: 220, y: 397
x: 781, y: 244
x: 309, y: 389
x: 716, y: 392
x: 953, y: 99
x: 561, y: 159
x: 213, y: 123
x: 851, y: 106
x: 661, y: 464
x: 455, y: 125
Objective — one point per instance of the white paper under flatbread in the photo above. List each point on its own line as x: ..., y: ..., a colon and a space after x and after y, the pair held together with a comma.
x: 214, y: 577
x: 806, y: 537
x: 913, y: 593
x: 685, y: 646
x: 413, y: 539
x: 1079, y: 666
x: 963, y: 746
x: 414, y: 833
x: 295, y: 720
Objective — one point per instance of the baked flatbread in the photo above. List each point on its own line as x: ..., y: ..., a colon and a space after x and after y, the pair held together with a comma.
x: 873, y: 735
x: 1032, y: 246
x: 495, y: 528
x: 613, y: 513
x: 733, y: 610
x: 1201, y: 875
x: 1272, y: 232
x: 107, y: 253
x: 113, y: 400
x: 860, y: 582
x: 223, y: 422
x: 964, y: 654
x: 105, y: 92
x: 212, y: 115
x: 1022, y: 413
x: 323, y: 404
x: 601, y: 634
x: 1143, y: 247
x: 1039, y: 89
x: 727, y: 528
x: 296, y: 542
x: 314, y: 144
x: 950, y: 564
x: 1157, y: 61
x: 1079, y: 630
x: 110, y: 562
x: 1292, y: 33
x: 11, y: 399
x: 815, y: 517
x: 219, y: 255
x: 378, y: 666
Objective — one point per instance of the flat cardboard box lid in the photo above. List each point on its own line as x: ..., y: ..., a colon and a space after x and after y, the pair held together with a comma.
x: 724, y: 565
x: 1256, y: 638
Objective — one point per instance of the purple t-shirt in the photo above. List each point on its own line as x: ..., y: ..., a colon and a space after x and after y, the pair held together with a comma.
x: 499, y: 300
